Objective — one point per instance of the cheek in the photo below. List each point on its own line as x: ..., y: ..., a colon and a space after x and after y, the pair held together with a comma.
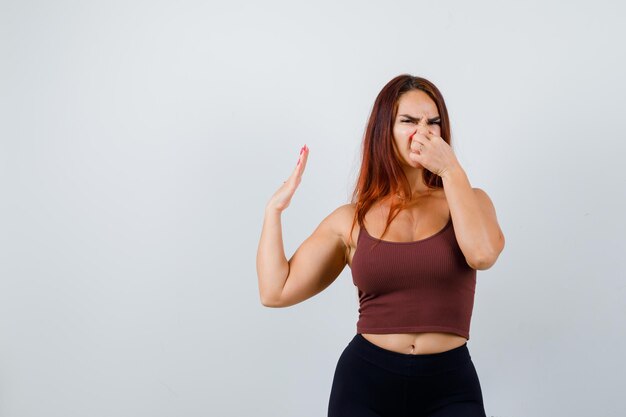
x: 403, y: 132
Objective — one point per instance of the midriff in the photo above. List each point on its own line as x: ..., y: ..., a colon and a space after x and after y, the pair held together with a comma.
x: 416, y: 343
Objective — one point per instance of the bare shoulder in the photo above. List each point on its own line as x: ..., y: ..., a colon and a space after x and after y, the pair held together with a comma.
x: 340, y: 221
x: 345, y: 212
x: 487, y: 207
x: 484, y: 200
x: 341, y: 217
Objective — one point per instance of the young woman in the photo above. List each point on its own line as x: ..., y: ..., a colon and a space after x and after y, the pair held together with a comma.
x: 414, y: 235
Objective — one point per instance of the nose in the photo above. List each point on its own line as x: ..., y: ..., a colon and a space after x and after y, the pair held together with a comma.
x: 422, y: 127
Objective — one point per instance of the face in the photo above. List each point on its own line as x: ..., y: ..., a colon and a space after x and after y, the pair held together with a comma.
x: 416, y: 111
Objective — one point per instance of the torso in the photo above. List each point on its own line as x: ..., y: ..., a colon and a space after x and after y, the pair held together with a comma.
x: 422, y: 219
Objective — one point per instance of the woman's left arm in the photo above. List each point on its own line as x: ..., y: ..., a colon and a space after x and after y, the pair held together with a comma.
x: 474, y: 218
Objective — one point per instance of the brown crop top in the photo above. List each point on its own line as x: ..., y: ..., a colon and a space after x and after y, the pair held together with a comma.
x: 420, y: 286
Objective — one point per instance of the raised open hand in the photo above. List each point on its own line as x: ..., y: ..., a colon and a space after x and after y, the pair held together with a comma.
x: 282, y: 197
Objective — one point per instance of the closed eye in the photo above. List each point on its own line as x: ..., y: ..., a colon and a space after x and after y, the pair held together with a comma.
x: 436, y: 122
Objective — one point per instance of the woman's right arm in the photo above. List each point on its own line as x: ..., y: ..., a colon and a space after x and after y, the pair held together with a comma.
x: 272, y: 266
x: 314, y: 265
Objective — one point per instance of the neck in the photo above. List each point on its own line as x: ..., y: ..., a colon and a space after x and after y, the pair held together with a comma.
x: 415, y: 195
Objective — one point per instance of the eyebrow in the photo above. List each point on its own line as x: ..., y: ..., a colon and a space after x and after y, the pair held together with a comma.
x: 417, y: 118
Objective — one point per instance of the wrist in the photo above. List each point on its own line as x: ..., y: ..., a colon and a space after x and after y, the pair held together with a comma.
x: 272, y: 211
x: 451, y: 171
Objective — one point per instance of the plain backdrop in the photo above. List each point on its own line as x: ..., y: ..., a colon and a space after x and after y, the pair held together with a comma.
x: 141, y: 140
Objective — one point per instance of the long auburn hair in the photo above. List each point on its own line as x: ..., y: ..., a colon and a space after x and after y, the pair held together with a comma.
x: 381, y: 174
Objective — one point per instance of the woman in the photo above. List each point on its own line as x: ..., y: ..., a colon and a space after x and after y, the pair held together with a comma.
x: 413, y: 236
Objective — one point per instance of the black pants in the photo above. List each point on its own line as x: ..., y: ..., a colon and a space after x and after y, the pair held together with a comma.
x: 371, y: 381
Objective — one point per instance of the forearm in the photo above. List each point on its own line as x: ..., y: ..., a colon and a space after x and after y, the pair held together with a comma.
x: 470, y: 223
x: 271, y: 263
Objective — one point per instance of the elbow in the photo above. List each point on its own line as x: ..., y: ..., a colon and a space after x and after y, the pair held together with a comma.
x: 270, y: 302
x: 488, y: 258
x: 483, y: 262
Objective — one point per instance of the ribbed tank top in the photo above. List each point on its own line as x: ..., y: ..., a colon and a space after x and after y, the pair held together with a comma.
x: 420, y: 286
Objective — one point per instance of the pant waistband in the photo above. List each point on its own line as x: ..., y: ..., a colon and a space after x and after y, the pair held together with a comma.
x: 409, y: 364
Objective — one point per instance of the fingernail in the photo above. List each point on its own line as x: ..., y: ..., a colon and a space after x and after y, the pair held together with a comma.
x: 301, y: 150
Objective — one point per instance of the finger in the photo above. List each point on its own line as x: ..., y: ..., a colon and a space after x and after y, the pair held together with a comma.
x: 416, y: 144
x: 415, y: 156
x: 304, y: 155
x: 418, y: 134
x: 432, y: 135
x: 302, y: 151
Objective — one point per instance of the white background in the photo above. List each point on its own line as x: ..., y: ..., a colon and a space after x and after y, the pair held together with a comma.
x: 141, y: 140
